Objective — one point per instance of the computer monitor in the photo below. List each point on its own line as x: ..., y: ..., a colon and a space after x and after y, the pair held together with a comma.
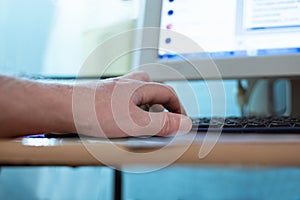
x: 244, y: 38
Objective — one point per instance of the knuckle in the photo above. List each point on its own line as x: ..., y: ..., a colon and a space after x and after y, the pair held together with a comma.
x: 145, y: 76
x: 170, y: 88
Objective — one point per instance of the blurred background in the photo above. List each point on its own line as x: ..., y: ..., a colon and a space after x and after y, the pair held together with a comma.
x: 52, y: 38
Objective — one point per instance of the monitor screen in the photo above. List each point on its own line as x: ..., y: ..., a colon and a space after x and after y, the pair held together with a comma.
x: 244, y: 38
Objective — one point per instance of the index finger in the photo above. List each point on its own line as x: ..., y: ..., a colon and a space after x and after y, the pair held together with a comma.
x: 156, y: 93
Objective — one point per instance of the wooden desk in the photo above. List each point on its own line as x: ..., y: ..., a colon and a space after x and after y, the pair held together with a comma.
x: 266, y: 150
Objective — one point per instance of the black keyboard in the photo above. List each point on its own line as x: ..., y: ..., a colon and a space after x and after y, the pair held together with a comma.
x: 248, y: 124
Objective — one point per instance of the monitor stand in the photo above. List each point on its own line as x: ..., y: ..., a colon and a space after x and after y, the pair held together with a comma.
x: 266, y: 97
x: 295, y: 97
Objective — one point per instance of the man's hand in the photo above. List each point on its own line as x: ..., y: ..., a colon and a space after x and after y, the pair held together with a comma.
x: 117, y: 107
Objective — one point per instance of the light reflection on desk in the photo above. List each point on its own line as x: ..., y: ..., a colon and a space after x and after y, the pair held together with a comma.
x: 38, y: 142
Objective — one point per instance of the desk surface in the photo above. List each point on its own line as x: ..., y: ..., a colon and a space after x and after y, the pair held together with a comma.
x: 266, y: 150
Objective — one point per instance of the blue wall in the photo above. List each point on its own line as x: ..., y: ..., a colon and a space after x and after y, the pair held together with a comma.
x: 25, y: 28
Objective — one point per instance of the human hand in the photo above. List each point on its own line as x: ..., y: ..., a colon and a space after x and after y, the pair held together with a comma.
x: 111, y: 108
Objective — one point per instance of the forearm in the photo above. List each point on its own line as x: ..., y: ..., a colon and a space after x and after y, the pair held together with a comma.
x: 28, y: 107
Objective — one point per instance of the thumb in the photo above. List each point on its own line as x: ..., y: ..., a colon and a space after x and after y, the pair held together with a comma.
x: 171, y: 123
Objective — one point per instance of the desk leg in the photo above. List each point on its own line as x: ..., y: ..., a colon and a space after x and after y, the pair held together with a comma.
x: 118, y: 184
